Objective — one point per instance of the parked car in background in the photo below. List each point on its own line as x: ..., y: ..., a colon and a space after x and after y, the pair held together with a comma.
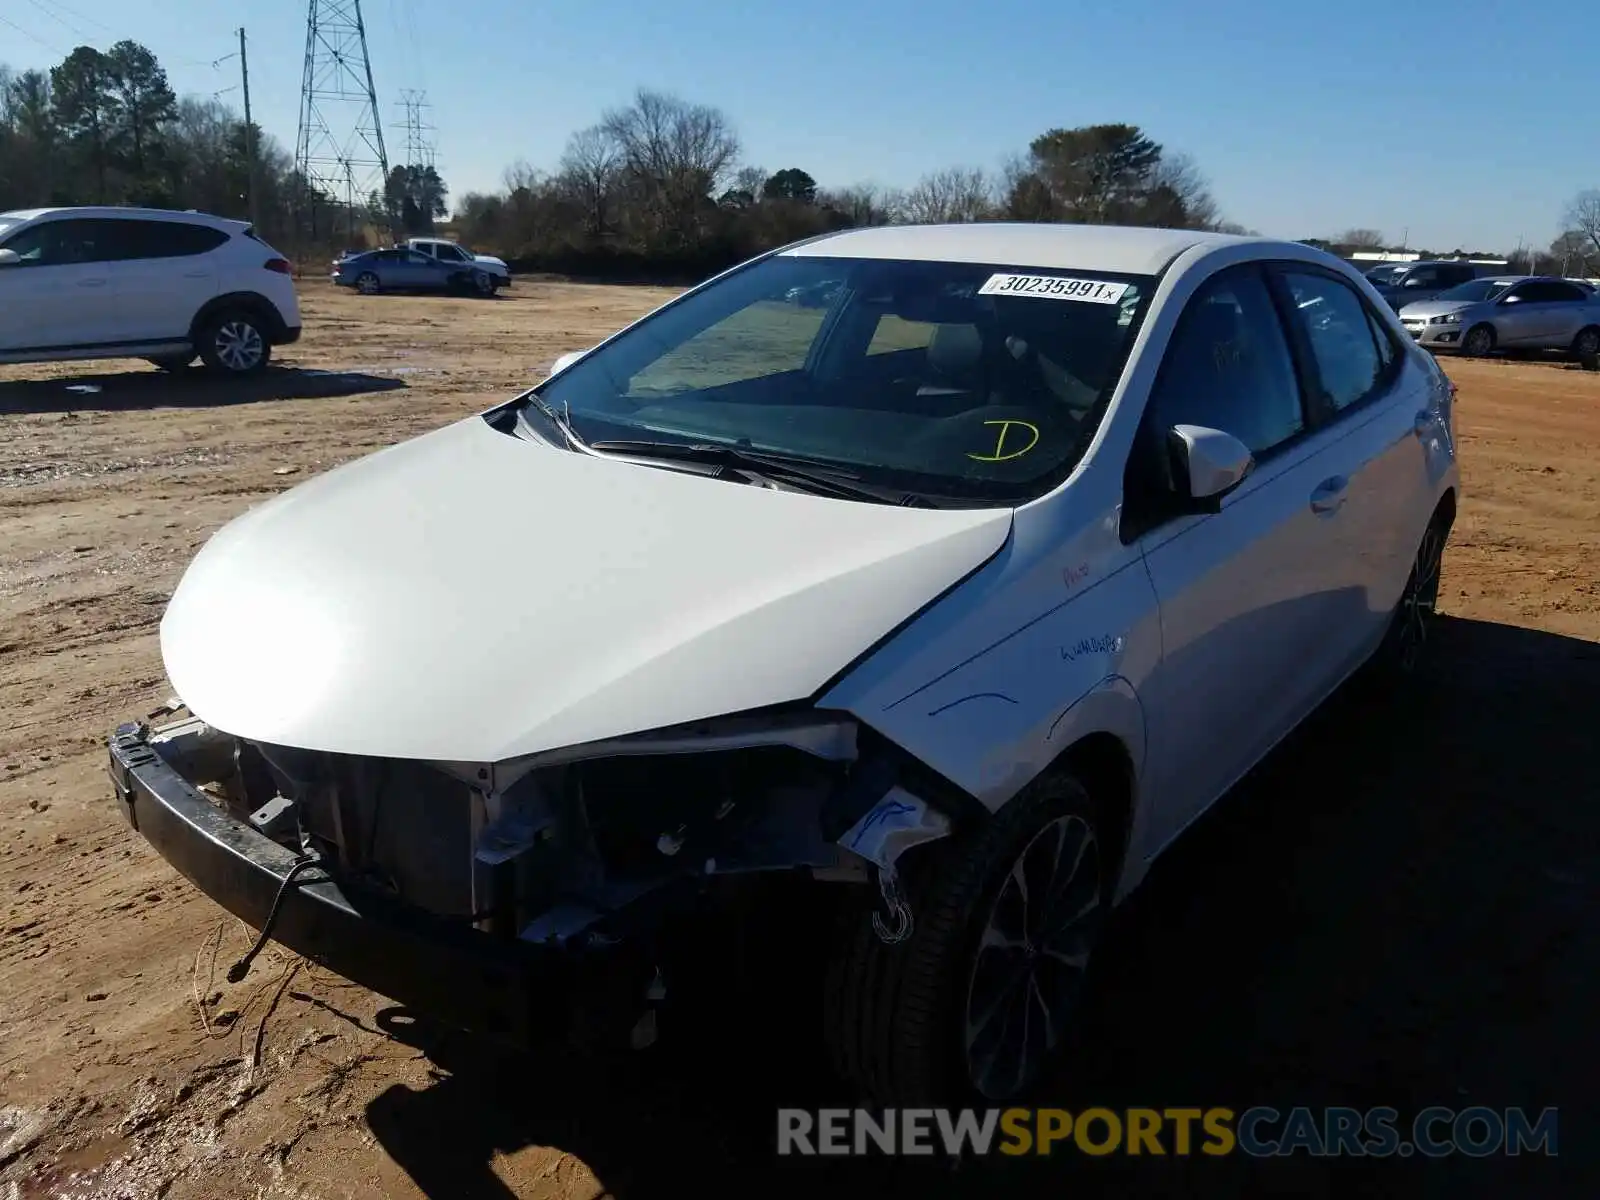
x: 398, y: 269
x: 94, y: 283
x: 1405, y: 283
x: 485, y: 272
x: 965, y: 595
x: 1509, y: 312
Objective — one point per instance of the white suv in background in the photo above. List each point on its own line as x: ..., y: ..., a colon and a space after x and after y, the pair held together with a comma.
x: 88, y: 283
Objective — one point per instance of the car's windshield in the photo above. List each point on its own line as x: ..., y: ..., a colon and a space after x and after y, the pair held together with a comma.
x: 977, y: 381
x: 1476, y: 289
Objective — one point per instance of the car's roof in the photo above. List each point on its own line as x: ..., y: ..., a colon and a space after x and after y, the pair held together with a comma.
x: 112, y: 210
x: 1115, y: 248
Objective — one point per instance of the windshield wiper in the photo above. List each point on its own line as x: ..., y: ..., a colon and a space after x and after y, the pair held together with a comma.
x: 781, y: 468
x: 560, y: 420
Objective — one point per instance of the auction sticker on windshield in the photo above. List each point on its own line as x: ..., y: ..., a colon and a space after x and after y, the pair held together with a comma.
x: 1054, y: 287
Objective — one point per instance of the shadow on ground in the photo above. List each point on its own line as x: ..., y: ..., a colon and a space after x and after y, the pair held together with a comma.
x: 1400, y: 907
x: 124, y: 391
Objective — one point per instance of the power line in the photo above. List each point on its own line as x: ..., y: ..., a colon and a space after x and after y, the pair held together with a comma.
x: 75, y: 30
x: 86, y: 20
x: 50, y: 46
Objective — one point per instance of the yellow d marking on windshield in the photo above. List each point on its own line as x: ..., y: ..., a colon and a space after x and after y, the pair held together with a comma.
x: 1001, y: 454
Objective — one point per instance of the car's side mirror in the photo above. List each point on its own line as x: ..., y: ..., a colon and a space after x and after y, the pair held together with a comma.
x: 1510, y: 299
x: 566, y: 360
x: 1207, y: 465
x: 10, y: 258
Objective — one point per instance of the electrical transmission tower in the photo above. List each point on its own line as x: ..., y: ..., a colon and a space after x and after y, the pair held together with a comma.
x: 340, y: 152
x: 420, y: 151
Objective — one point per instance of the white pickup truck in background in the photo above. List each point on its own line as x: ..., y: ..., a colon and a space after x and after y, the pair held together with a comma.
x: 447, y: 251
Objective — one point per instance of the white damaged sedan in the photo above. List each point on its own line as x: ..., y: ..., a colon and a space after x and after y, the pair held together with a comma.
x: 957, y: 593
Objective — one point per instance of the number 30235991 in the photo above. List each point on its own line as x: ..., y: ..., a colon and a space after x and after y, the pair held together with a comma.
x: 1054, y: 287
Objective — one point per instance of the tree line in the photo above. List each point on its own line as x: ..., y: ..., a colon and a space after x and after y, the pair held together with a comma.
x: 658, y: 186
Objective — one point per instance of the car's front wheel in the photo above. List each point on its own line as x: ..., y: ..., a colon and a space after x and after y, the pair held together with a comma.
x: 1586, y: 346
x: 979, y: 1001
x: 235, y: 343
x: 1479, y: 341
x: 483, y: 283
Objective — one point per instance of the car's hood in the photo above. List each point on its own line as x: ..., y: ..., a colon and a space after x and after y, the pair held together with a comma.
x: 490, y: 259
x: 1436, y: 308
x: 473, y: 596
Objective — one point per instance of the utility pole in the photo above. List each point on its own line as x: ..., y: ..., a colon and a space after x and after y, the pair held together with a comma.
x: 249, y: 137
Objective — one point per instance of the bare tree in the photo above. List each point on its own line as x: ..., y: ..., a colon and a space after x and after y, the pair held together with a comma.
x: 521, y: 176
x: 750, y: 179
x: 589, y: 169
x: 1365, y: 239
x: 955, y: 194
x: 1178, y: 186
x: 861, y: 204
x: 1583, y: 217
x: 675, y: 154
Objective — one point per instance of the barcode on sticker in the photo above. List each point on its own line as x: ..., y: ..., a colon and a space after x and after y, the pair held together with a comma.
x: 1054, y: 287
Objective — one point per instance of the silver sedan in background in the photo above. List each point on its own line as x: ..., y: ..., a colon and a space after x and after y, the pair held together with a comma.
x: 1509, y: 312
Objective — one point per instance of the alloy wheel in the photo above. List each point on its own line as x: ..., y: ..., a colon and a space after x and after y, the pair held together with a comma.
x: 1031, y: 958
x: 1420, y: 602
x: 1479, y: 342
x: 239, y: 345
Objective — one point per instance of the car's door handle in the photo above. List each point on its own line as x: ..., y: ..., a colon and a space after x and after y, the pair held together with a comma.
x: 1329, y: 496
x: 91, y: 283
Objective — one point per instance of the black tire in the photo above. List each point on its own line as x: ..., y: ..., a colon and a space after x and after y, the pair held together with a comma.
x: 235, y: 343
x: 896, y: 1015
x: 1400, y: 655
x: 1586, y: 346
x: 368, y: 284
x: 1478, y: 341
x: 482, y: 283
x: 172, y: 362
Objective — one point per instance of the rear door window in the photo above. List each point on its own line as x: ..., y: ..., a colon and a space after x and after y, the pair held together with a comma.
x: 131, y: 240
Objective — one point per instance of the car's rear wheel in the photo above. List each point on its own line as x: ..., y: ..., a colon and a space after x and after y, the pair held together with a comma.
x: 1586, y: 346
x: 171, y: 362
x: 235, y: 343
x: 1479, y: 341
x: 979, y: 1001
x: 1404, y: 644
x: 367, y: 283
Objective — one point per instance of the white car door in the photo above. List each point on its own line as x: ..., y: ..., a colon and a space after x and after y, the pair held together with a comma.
x: 165, y: 274
x: 1244, y: 592
x: 1377, y: 426
x: 62, y: 295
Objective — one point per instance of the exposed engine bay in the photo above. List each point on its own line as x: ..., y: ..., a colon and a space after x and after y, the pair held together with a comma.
x: 596, y: 848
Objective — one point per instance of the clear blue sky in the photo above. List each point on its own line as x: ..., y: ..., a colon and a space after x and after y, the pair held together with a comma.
x: 1472, y: 125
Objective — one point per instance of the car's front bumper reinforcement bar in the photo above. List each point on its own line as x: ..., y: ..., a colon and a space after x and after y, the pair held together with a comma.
x: 441, y: 969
